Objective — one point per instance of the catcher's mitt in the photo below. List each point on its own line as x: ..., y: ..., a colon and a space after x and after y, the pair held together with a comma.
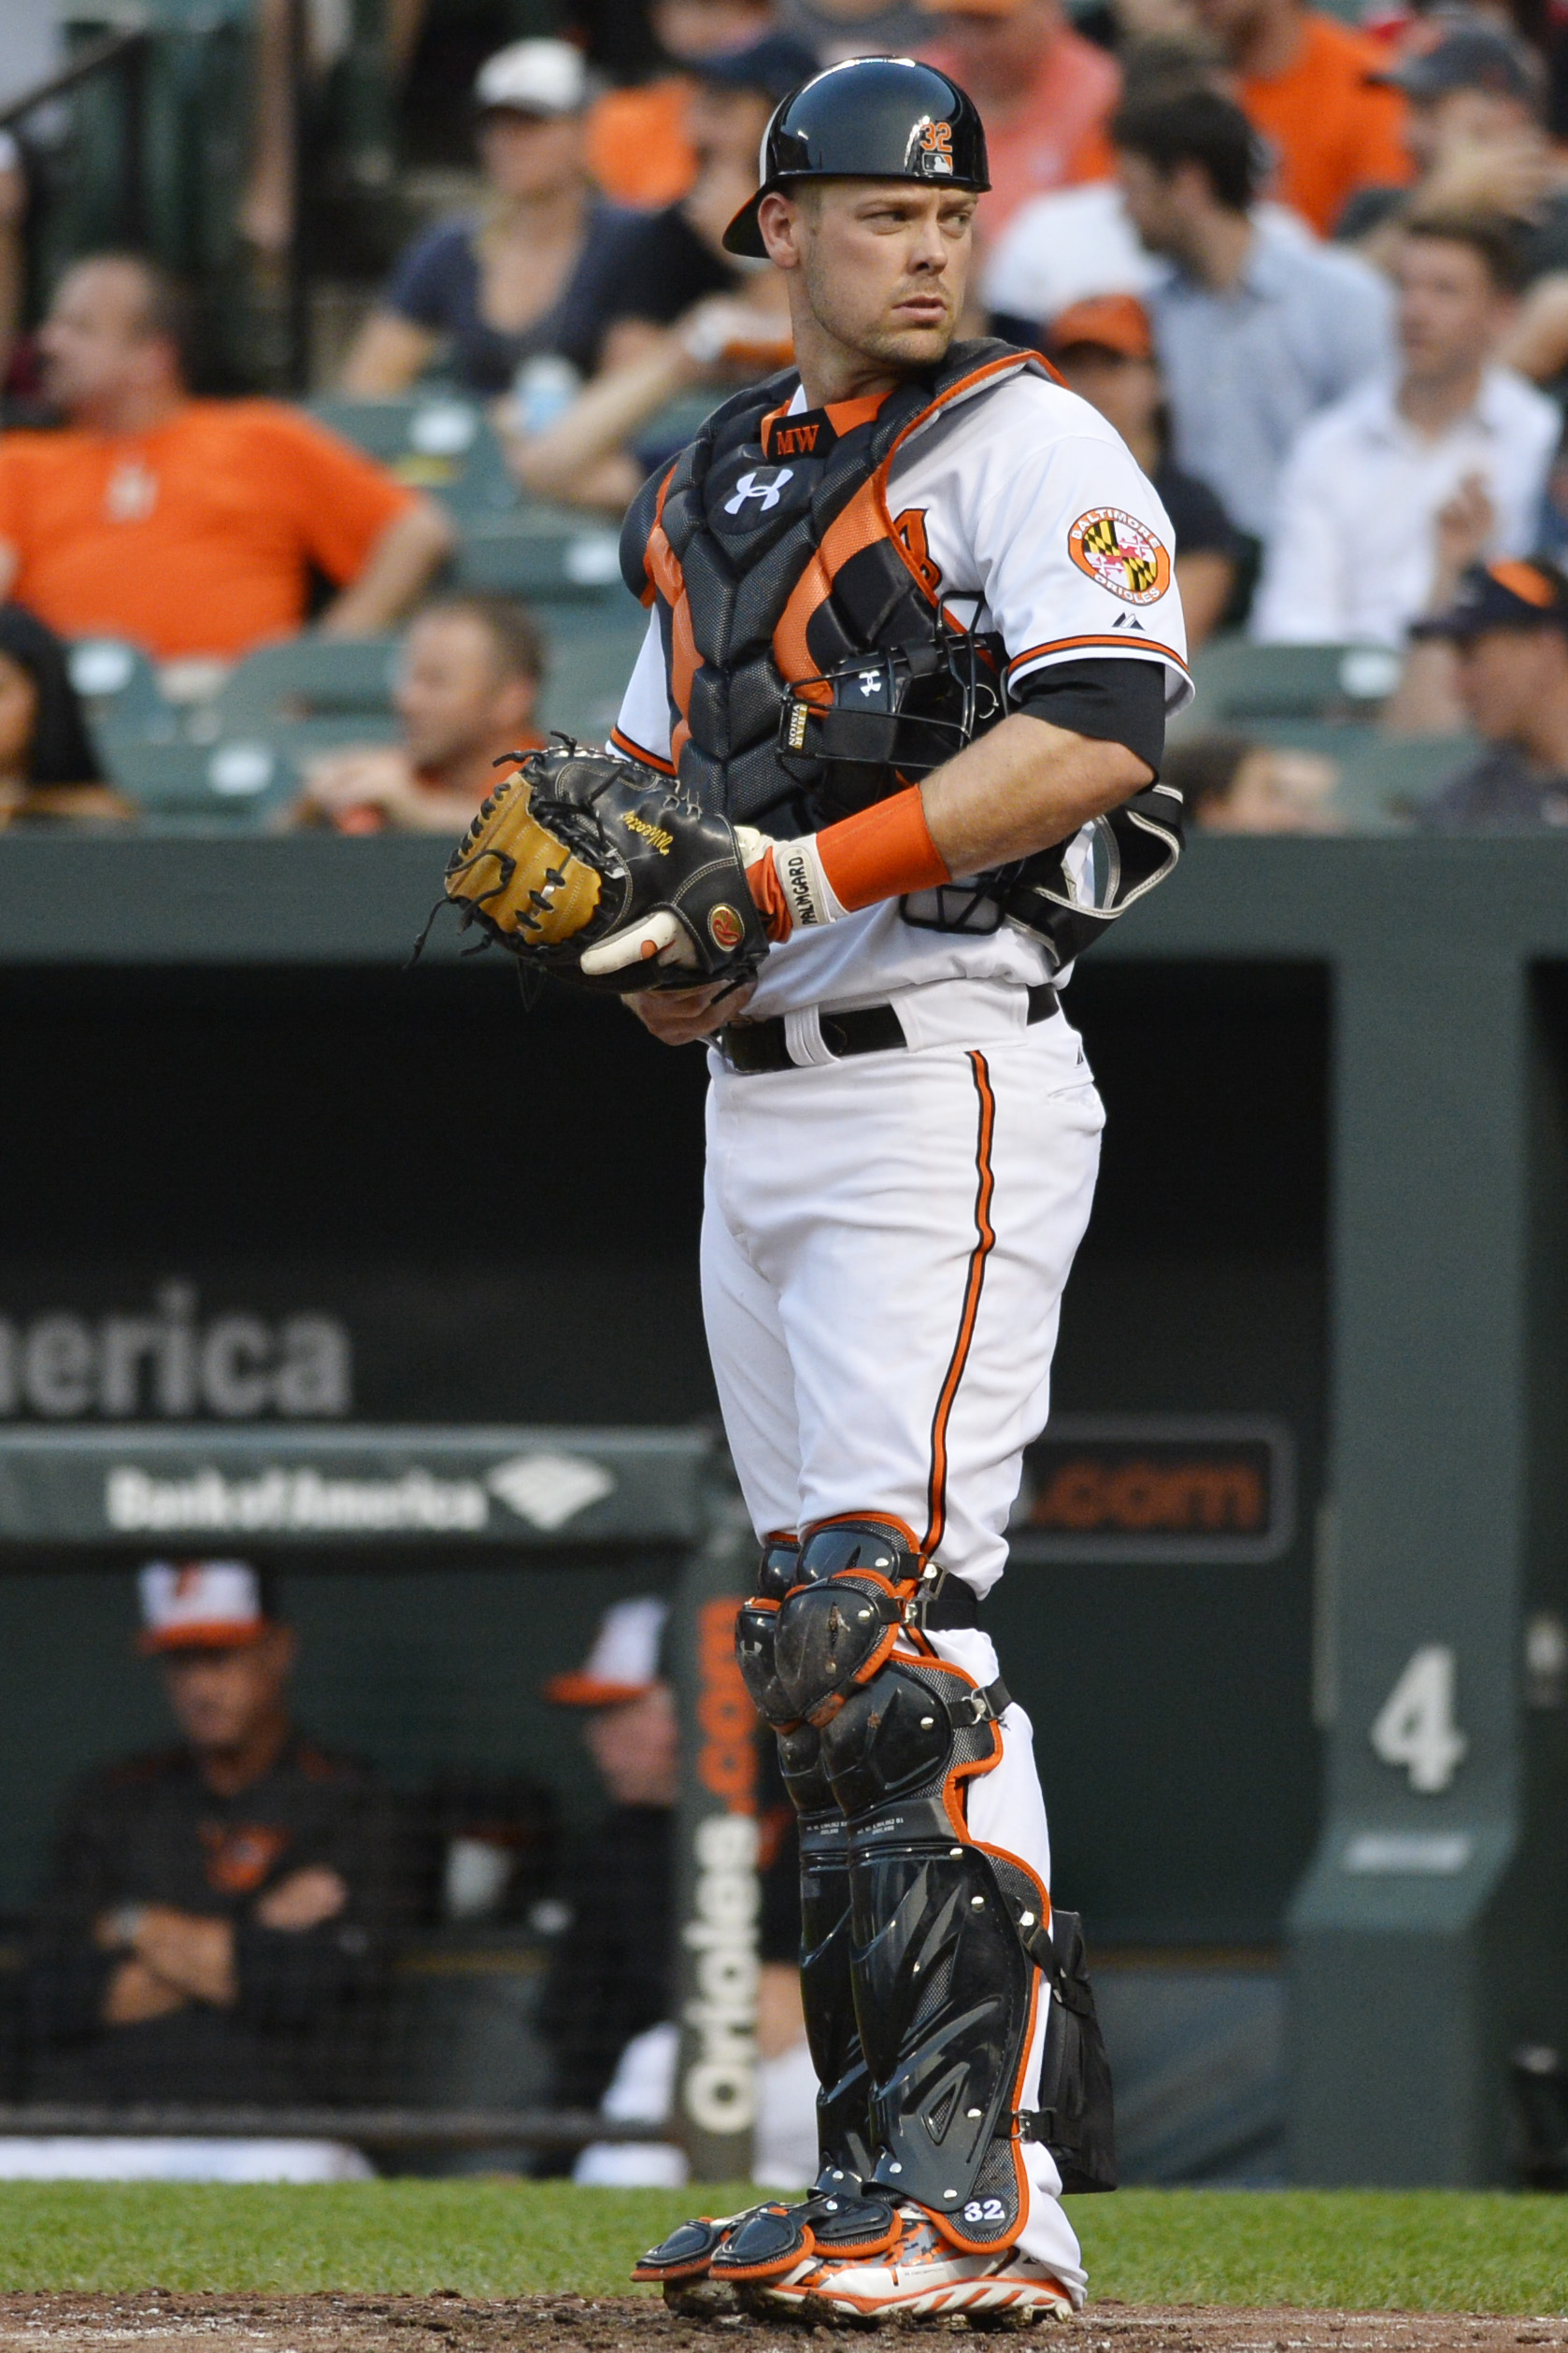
x: 577, y: 858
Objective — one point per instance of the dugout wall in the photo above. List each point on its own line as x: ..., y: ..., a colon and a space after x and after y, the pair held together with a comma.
x: 1309, y: 1388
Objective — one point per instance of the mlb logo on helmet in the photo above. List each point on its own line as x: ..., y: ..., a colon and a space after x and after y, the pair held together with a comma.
x: 937, y: 151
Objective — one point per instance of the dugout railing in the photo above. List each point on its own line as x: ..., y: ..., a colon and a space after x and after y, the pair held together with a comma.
x: 335, y: 1492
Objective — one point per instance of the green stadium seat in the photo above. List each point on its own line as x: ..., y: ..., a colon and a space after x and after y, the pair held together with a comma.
x: 120, y: 693
x: 241, y: 781
x: 1383, y: 784
x: 436, y: 441
x: 541, y: 552
x: 308, y: 679
x: 592, y: 652
x: 1238, y: 683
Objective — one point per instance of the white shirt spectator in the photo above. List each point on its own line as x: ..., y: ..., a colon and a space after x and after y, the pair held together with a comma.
x: 1064, y: 247
x: 1246, y: 368
x: 1061, y: 249
x: 1352, y: 558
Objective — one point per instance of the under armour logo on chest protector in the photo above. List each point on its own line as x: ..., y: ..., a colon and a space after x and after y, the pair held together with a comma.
x: 752, y: 485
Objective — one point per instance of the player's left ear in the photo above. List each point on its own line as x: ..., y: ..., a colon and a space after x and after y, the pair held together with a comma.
x: 782, y: 221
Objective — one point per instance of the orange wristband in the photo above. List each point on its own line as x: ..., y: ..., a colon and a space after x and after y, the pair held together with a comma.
x: 881, y: 852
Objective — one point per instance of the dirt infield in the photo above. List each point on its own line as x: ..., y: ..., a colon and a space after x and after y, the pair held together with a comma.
x: 153, y: 2322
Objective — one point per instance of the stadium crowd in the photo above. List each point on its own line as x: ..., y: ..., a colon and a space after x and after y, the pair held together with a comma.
x: 1315, y: 270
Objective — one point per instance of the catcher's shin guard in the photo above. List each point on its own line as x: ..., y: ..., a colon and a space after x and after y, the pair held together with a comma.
x: 945, y: 1991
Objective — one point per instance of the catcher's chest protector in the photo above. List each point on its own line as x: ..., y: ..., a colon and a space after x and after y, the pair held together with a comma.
x: 771, y: 554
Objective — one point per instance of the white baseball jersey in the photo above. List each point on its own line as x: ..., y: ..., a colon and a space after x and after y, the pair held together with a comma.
x: 1029, y: 503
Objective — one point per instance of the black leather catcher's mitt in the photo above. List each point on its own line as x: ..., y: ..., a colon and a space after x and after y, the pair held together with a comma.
x: 601, y: 871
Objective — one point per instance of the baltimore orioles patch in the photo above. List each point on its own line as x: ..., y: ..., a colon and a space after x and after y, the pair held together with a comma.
x: 1120, y: 554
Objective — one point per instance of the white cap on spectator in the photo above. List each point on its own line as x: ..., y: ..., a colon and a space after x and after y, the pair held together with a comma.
x: 623, y: 1662
x: 200, y: 1605
x: 546, y: 77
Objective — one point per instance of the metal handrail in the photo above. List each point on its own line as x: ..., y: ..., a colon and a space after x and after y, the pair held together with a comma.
x: 112, y: 51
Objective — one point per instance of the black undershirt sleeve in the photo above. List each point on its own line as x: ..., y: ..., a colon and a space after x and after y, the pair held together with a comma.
x: 1114, y: 701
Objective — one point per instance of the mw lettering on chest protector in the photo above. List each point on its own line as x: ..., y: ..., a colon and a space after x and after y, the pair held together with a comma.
x: 770, y: 553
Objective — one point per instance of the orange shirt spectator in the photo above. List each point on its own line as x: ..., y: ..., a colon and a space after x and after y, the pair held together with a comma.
x: 190, y: 526
x: 639, y: 148
x: 1044, y: 93
x: 197, y: 537
x: 1306, y: 82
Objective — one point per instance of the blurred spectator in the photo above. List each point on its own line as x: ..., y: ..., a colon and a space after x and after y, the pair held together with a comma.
x: 190, y: 526
x: 512, y: 282
x: 13, y: 259
x: 1312, y: 85
x: 1255, y: 328
x: 1508, y: 635
x: 610, y: 1976
x: 1379, y: 486
x: 1476, y: 136
x: 680, y: 313
x: 1232, y: 785
x: 1057, y: 249
x: 215, y: 1912
x: 468, y: 680
x: 641, y: 149
x: 48, y: 766
x: 1104, y: 350
x: 1044, y: 93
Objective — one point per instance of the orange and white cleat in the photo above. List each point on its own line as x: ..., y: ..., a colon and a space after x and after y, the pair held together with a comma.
x: 920, y: 2276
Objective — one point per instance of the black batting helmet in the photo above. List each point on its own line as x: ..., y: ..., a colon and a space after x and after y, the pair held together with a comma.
x: 872, y: 118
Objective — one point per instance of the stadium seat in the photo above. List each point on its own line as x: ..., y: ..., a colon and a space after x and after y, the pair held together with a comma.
x: 592, y: 652
x: 436, y: 441
x: 1382, y: 784
x: 541, y: 552
x: 120, y: 694
x: 241, y: 781
x: 308, y: 678
x: 1238, y: 683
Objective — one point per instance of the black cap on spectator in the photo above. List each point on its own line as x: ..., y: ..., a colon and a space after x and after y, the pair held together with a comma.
x: 1473, y: 57
x: 1512, y: 593
x: 775, y: 66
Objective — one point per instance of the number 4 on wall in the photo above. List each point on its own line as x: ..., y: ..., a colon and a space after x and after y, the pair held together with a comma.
x: 1415, y: 1727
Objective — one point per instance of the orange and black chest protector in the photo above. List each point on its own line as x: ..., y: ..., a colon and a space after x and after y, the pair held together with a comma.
x: 770, y: 553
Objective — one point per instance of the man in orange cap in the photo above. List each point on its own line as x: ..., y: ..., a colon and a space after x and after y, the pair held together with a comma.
x: 215, y: 1909
x: 1045, y: 95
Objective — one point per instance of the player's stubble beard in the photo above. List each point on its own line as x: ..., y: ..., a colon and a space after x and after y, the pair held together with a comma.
x: 828, y: 297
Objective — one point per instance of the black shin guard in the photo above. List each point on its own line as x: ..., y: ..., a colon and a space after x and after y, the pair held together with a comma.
x: 945, y: 1991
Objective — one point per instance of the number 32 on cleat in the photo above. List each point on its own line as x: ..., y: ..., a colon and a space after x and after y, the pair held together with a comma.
x: 1416, y: 1728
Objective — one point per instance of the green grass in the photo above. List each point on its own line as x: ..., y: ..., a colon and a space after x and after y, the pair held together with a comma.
x: 1434, y: 2251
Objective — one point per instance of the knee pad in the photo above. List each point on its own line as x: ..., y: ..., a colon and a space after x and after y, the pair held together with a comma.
x: 840, y: 1623
x: 757, y: 1628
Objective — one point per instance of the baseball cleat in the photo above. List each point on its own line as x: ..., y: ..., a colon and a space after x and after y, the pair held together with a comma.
x: 919, y: 2276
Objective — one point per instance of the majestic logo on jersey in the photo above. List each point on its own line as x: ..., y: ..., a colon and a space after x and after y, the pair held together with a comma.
x: 1120, y: 554
x: 750, y: 485
x: 936, y: 146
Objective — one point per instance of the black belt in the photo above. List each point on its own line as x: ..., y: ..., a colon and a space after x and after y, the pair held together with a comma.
x: 751, y: 1047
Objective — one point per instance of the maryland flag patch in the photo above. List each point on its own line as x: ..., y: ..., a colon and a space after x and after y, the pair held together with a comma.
x: 1120, y: 554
